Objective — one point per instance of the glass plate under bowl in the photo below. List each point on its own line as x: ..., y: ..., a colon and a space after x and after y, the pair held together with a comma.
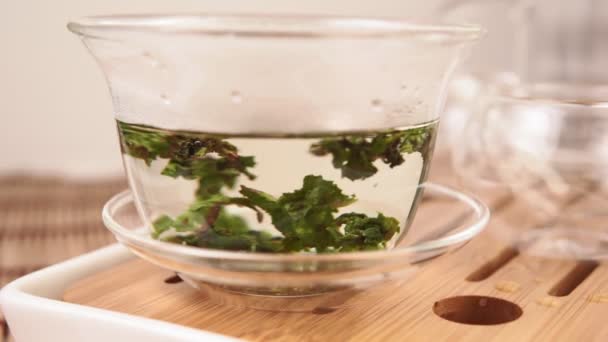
x: 304, y: 282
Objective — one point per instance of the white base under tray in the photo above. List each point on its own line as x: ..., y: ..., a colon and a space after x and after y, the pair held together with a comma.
x: 35, y: 312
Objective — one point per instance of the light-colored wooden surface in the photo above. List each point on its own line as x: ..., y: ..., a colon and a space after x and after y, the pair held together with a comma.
x: 405, y: 313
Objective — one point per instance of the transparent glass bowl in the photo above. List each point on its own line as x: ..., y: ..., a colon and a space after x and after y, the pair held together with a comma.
x: 302, y: 282
x: 548, y: 145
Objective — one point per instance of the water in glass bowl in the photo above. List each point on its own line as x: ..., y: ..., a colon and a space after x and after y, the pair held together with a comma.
x: 320, y: 193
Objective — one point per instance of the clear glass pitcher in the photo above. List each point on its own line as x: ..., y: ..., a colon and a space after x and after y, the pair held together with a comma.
x: 533, y: 119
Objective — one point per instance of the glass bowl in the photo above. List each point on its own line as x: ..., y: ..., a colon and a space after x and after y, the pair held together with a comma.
x: 547, y: 145
x: 303, y: 281
x: 267, y: 124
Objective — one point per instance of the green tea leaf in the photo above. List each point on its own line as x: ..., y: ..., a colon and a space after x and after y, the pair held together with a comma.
x: 161, y: 225
x: 364, y: 233
x: 355, y: 155
x: 281, y: 218
x: 143, y: 144
x: 305, y: 216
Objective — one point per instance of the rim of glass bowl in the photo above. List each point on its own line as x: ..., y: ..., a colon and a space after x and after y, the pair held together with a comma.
x: 557, y: 94
x: 273, y: 26
x: 481, y: 211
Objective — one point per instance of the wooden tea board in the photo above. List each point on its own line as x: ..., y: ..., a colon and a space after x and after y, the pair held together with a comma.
x: 559, y: 300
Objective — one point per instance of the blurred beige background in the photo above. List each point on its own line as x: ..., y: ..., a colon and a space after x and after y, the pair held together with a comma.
x: 56, y: 111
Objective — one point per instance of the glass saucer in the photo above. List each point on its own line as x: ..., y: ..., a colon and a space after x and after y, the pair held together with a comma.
x: 302, y: 282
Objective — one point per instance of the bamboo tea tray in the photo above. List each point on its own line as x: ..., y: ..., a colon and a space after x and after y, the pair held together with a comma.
x: 485, y: 291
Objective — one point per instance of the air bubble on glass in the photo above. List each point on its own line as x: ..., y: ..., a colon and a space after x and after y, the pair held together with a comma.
x: 236, y: 97
x: 165, y: 99
x: 153, y: 61
x: 377, y: 105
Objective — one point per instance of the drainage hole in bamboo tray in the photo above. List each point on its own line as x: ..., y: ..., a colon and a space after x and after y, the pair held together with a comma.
x: 574, y: 278
x: 173, y: 279
x: 490, y: 267
x: 477, y: 310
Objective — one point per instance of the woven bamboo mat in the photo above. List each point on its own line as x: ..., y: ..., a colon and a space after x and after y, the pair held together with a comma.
x: 47, y: 220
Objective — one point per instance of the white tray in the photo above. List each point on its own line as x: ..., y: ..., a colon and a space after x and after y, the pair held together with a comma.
x: 34, y: 310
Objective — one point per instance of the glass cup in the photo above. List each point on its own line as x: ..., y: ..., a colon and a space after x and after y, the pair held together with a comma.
x: 276, y: 134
